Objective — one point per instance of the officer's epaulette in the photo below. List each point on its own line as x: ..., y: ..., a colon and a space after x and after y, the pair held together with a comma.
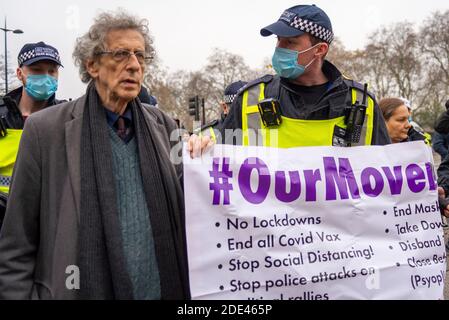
x: 208, y: 125
x: 265, y: 79
x: 357, y: 85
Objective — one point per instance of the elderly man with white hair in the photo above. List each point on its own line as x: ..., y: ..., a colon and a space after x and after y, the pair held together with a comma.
x: 96, y: 205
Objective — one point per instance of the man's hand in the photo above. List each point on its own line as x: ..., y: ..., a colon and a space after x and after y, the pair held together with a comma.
x: 442, y: 194
x: 198, y: 145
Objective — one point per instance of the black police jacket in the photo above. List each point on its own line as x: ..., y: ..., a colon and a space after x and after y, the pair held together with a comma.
x: 214, y: 124
x: 442, y: 123
x: 9, y: 108
x: 414, y: 135
x: 11, y: 117
x: 443, y: 175
x: 332, y: 103
x: 442, y: 127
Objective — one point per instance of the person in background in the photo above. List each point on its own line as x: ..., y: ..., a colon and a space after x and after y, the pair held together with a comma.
x: 213, y: 127
x: 440, y: 144
x: 442, y: 128
x: 38, y: 70
x: 442, y: 123
x: 396, y: 115
x: 230, y: 94
x: 145, y: 97
x: 416, y: 133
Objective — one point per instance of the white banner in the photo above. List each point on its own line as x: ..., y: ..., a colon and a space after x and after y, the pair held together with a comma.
x: 314, y: 223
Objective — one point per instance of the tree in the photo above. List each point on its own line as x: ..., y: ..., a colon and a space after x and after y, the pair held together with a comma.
x: 350, y: 63
x: 222, y: 69
x: 398, y: 61
x: 434, y: 36
x: 173, y: 89
x: 434, y: 44
x: 392, y: 61
x: 157, y: 81
x: 12, y: 80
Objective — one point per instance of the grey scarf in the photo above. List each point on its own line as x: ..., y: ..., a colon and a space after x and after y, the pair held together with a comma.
x: 100, y: 251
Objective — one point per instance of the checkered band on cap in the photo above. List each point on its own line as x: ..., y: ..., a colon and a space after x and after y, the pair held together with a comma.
x: 312, y: 28
x: 229, y: 98
x: 25, y: 56
x: 38, y: 52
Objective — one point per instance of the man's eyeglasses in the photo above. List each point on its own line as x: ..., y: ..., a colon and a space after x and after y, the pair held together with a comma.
x: 124, y: 55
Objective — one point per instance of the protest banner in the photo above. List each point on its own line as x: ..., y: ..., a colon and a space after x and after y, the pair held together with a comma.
x: 314, y: 223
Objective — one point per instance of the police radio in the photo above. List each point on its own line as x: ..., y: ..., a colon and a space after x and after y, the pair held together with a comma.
x: 355, y: 119
x: 269, y: 110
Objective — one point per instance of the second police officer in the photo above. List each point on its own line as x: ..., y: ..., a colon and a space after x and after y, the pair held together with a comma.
x: 308, y: 102
x: 230, y: 93
x: 38, y: 70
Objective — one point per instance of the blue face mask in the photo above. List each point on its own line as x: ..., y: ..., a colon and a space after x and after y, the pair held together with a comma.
x: 285, y: 62
x: 40, y: 86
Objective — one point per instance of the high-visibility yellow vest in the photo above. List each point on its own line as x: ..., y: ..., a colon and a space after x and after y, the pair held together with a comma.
x: 296, y: 132
x: 9, y: 146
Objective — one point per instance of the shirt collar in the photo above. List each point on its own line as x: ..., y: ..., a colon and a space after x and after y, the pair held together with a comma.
x: 112, y: 117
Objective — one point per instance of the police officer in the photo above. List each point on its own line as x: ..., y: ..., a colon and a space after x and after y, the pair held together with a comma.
x: 38, y: 71
x: 212, y: 128
x: 308, y: 102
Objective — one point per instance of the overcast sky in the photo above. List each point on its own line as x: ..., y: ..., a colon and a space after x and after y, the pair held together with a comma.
x: 186, y: 31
